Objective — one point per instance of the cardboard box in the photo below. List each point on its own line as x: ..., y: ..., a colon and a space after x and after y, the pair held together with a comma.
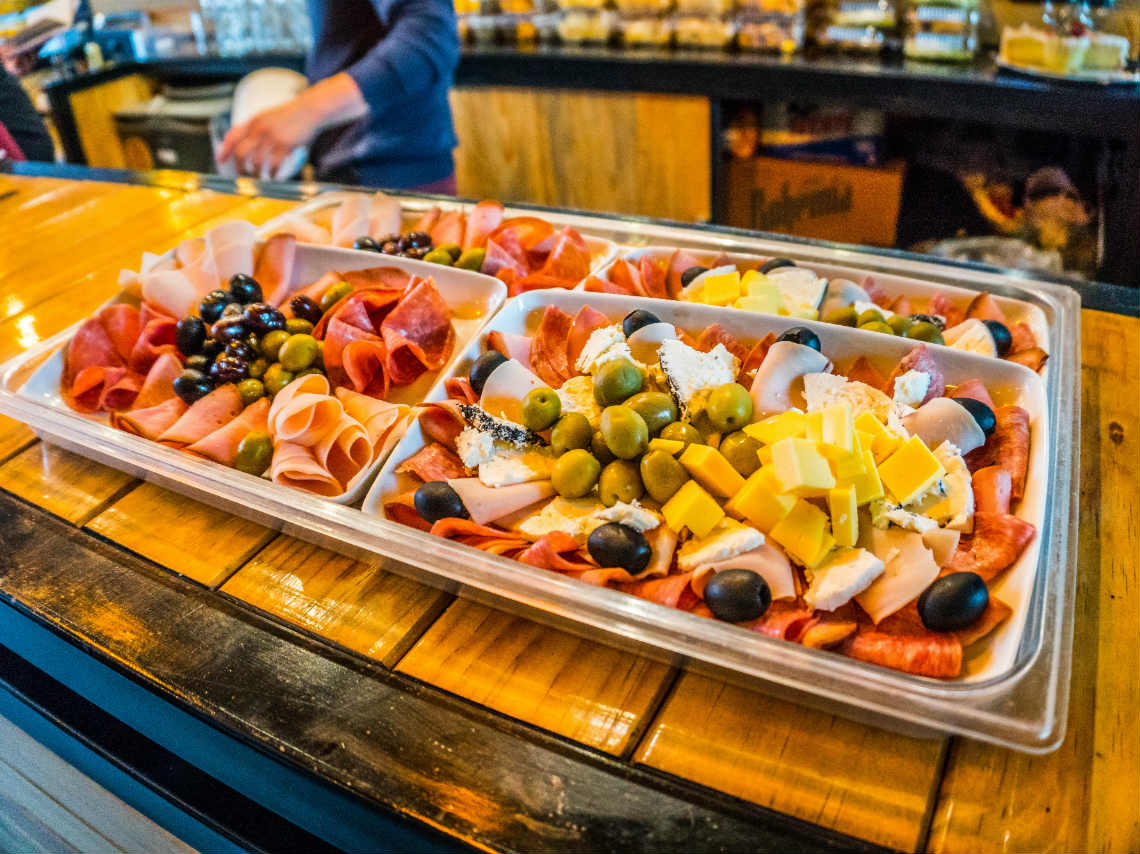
x: 849, y: 204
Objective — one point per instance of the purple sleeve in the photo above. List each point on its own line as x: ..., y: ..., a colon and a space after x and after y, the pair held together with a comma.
x: 420, y: 49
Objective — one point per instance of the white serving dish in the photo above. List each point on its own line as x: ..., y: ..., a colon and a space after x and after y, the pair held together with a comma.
x: 474, y: 298
x: 1016, y: 310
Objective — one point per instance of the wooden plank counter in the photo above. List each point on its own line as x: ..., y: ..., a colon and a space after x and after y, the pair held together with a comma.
x: 729, y: 748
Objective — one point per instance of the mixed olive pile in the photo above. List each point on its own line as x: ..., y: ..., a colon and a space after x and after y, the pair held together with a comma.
x: 237, y: 338
x: 418, y: 245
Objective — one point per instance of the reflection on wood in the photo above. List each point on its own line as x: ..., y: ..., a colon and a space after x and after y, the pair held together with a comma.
x: 358, y: 606
x: 94, y: 109
x: 182, y: 535
x: 1086, y: 795
x: 70, y: 486
x: 577, y: 688
x: 626, y: 153
x: 14, y: 436
x: 847, y: 776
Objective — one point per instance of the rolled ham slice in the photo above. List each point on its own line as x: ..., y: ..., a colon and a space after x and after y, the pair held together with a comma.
x: 172, y: 291
x: 196, y: 264
x: 274, y: 268
x: 486, y: 503
x: 382, y: 421
x: 151, y: 422
x: 345, y: 451
x: 304, y: 412
x: 942, y: 420
x: 159, y: 384
x: 909, y: 569
x: 209, y: 413
x: 841, y: 293
x: 351, y: 219
x: 221, y: 445
x: 785, y: 363
x: 451, y: 227
x: 505, y: 389
x: 295, y: 466
x: 767, y: 561
x: 384, y: 215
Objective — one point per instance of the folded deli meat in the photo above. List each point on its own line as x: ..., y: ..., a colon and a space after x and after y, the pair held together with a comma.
x: 755, y: 482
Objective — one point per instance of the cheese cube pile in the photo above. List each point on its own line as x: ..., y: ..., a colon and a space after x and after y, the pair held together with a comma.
x: 754, y: 291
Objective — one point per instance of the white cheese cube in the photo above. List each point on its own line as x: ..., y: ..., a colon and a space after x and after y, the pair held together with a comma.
x: 911, y: 388
x: 474, y: 447
x: 688, y: 371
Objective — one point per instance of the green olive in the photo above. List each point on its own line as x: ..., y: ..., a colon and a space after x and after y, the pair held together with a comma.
x: 846, y: 316
x: 600, y: 449
x: 298, y: 326
x: 925, y: 331
x: 541, y: 408
x: 624, y: 432
x: 877, y: 326
x: 869, y: 315
x: 656, y: 407
x: 319, y: 359
x: 254, y: 452
x: 616, y: 380
x: 571, y: 431
x: 257, y: 368
x: 298, y: 352
x: 276, y: 378
x: 899, y: 323
x: 620, y: 481
x: 471, y: 259
x: 682, y: 431
x: 250, y: 390
x: 452, y: 249
x: 271, y: 343
x: 729, y: 407
x: 335, y: 293
x: 575, y: 473
x: 662, y: 475
x: 741, y: 451
x: 439, y: 256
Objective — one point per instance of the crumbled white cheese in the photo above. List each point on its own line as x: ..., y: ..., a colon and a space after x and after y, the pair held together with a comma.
x: 972, y: 336
x: 846, y: 573
x: 950, y: 502
x: 884, y: 513
x: 512, y: 465
x: 604, y: 344
x: 632, y: 514
x: 728, y: 539
x: 577, y: 395
x: 911, y: 388
x: 688, y: 371
x: 474, y: 447
x: 578, y: 517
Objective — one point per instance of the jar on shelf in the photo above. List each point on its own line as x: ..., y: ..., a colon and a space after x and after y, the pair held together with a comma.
x: 860, y: 26
x: 586, y: 26
x: 944, y: 30
x: 775, y: 26
x: 705, y: 31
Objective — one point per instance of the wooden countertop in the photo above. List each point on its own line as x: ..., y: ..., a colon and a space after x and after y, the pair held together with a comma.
x: 62, y: 243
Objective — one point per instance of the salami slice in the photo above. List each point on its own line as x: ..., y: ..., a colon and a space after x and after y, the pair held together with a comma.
x: 603, y: 286
x: 786, y: 620
x: 995, y: 614
x: 863, y: 371
x: 569, y: 258
x: 120, y: 392
x: 156, y: 338
x: 123, y: 324
x: 678, y: 264
x: 755, y: 359
x: 433, y: 462
x: 975, y: 389
x: 530, y: 231
x: 717, y: 334
x: 1007, y: 446
x: 585, y: 322
x: 548, y: 351
x: 985, y: 307
x: 929, y: 654
x: 533, y: 282
x: 418, y: 333
x: 919, y: 359
x: 499, y: 258
x: 402, y: 509
x: 666, y: 590
x: 627, y: 277
x: 459, y: 388
x: 442, y: 422
x: 996, y: 544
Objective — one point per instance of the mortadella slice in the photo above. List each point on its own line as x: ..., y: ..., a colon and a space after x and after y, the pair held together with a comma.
x: 486, y: 503
x: 785, y: 363
x: 304, y: 412
x: 151, y: 422
x: 205, y: 416
x: 222, y: 445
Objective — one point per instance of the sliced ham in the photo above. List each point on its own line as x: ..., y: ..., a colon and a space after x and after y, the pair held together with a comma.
x: 488, y: 504
x: 206, y: 415
x: 159, y: 384
x: 350, y: 220
x: 274, y: 268
x: 304, y: 412
x: 483, y: 219
x: 384, y: 215
x: 197, y: 264
x: 785, y: 363
x: 295, y: 466
x: 151, y: 422
x: 222, y: 445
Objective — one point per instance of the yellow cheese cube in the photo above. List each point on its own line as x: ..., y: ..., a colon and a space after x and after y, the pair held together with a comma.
x: 711, y: 470
x: 910, y: 471
x: 721, y: 290
x: 885, y: 441
x: 756, y: 284
x: 760, y: 294
x: 801, y: 532
x: 844, y: 515
x: 867, y: 485
x: 760, y: 501
x: 826, y: 544
x: 760, y: 304
x: 847, y: 465
x: 669, y: 446
x: 693, y: 508
x: 786, y: 425
x: 765, y: 455
x: 804, y: 312
x: 800, y: 468
x: 866, y: 440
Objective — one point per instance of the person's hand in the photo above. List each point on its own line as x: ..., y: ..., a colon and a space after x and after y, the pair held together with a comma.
x: 259, y: 146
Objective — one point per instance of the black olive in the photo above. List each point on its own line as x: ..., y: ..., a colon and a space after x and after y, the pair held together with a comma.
x: 212, y: 305
x: 416, y: 252
x: 436, y: 500
x: 229, y: 329
x: 245, y: 289
x: 229, y: 369
x: 481, y: 369
x: 390, y: 247
x: 981, y: 413
x: 1000, y: 332
x: 212, y: 349
x: 366, y: 243
x: 953, y: 601
x: 637, y: 319
x: 191, y: 385
x: 692, y: 273
x: 306, y: 309
x: 262, y: 317
x: 388, y: 238
x: 615, y: 544
x: 736, y: 595
x: 190, y: 335
x: 418, y: 239
x: 198, y: 363
x: 240, y: 350
x: 233, y: 309
x: 929, y: 318
x: 801, y: 335
x: 775, y: 263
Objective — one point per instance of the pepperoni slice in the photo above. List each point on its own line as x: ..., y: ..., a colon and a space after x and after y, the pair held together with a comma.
x: 754, y: 359
x: 975, y: 389
x: 433, y: 462
x: 569, y: 258
x: 402, y: 509
x: 678, y: 264
x: 654, y: 278
x: 627, y: 277
x: 1007, y: 446
x: 992, y: 486
x: 442, y: 422
x: 1021, y: 337
x: 459, y: 388
x: 667, y: 591
x: 784, y: 620
x: 996, y: 544
x: 929, y: 654
x: 1034, y: 358
x: 504, y: 257
x: 536, y: 282
x: 985, y: 307
x: 548, y: 550
x: 602, y: 286
x: 717, y: 334
x: 530, y: 231
x: 585, y: 322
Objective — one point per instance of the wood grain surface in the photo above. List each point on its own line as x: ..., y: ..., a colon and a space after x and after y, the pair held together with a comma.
x: 66, y: 484
x: 354, y: 604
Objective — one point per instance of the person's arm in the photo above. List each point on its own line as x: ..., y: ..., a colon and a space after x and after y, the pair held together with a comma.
x: 420, y: 49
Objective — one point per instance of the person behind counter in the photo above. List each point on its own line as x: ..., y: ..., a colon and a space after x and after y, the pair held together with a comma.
x: 377, y: 112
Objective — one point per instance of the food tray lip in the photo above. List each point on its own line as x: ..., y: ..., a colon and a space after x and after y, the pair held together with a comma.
x: 419, y: 204
x: 1026, y: 733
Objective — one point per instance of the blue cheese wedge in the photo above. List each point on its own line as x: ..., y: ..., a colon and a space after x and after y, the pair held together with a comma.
x: 845, y: 574
x: 728, y: 539
x: 577, y: 395
x: 950, y: 502
x: 688, y: 372
x: 605, y: 344
x: 886, y: 513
